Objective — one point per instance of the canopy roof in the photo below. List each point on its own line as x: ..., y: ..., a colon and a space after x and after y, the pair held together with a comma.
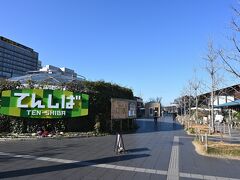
x: 48, y: 78
x: 232, y: 104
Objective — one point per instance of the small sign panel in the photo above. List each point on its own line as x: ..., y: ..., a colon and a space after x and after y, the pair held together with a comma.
x: 123, y: 109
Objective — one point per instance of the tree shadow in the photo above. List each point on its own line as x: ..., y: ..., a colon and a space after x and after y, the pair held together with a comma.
x: 53, y: 168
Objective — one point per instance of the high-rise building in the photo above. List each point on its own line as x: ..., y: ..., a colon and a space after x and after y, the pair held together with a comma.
x: 16, y: 59
x: 39, y: 65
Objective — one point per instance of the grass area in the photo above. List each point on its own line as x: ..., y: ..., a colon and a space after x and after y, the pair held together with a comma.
x: 218, y: 149
x: 202, y: 129
x: 221, y: 148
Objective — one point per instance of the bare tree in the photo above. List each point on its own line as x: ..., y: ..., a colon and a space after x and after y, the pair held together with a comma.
x: 195, y: 85
x: 190, y: 97
x: 212, y: 68
x: 183, y: 100
x: 231, y: 56
x: 157, y: 99
x: 231, y: 59
x: 179, y: 102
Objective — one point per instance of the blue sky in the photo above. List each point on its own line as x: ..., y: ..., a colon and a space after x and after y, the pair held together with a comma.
x: 151, y: 46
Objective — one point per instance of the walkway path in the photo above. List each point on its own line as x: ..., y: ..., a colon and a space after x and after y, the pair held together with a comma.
x: 156, y: 151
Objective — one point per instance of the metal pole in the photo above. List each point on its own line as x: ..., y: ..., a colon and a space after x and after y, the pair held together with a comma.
x: 184, y: 107
x: 196, y: 108
x: 229, y: 130
x: 224, y: 128
x: 206, y: 142
x: 189, y: 104
x: 230, y: 118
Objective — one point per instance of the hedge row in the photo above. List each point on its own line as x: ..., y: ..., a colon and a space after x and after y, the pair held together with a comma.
x: 100, y: 94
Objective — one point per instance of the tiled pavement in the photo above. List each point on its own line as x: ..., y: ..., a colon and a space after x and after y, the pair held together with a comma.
x: 161, y: 151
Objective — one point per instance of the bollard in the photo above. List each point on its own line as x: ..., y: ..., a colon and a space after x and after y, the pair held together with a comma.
x: 229, y: 130
x: 199, y: 136
x: 206, y: 142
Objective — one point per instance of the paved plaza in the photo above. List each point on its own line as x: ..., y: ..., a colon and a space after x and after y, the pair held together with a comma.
x: 155, y: 151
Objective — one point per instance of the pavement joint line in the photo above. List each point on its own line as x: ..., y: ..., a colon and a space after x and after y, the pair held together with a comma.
x: 150, y: 171
x: 161, y: 172
x: 121, y: 168
x: 173, y: 169
x: 197, y: 176
x: 185, y: 175
x: 101, y: 165
x: 140, y: 170
x: 110, y: 166
x: 116, y: 167
x: 131, y: 168
x: 209, y: 177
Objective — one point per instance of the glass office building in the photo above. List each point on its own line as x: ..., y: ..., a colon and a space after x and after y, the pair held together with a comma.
x: 16, y: 59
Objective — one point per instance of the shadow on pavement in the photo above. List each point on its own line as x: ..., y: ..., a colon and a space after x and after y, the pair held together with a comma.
x: 137, y: 150
x: 46, y: 169
x: 148, y: 125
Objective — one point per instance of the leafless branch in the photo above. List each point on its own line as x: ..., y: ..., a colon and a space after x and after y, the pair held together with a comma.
x: 230, y: 68
x: 235, y: 44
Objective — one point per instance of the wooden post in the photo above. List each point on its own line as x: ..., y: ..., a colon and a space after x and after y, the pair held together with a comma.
x: 111, y: 122
x: 121, y: 125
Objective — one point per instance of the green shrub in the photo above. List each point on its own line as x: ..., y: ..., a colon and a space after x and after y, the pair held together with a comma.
x: 236, y: 115
x: 191, y: 130
x: 4, y: 124
x: 100, y: 94
x: 100, y: 99
x: 17, y: 125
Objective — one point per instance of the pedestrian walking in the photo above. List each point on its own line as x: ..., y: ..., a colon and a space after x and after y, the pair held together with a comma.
x: 155, y: 116
x: 174, y: 116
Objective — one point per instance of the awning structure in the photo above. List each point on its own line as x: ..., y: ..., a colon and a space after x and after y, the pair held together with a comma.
x: 46, y: 78
x: 233, y: 104
x: 216, y: 108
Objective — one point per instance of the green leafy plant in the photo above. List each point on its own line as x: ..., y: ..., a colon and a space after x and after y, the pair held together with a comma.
x: 191, y: 130
x: 97, y: 127
x: 100, y: 94
x: 236, y: 116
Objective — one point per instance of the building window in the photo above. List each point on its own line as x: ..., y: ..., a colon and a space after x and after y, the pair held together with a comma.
x: 151, y: 111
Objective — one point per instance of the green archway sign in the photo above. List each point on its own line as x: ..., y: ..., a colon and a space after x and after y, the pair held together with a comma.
x: 42, y: 103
